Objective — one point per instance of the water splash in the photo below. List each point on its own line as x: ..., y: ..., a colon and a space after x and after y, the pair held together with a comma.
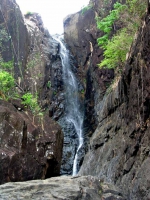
x: 74, y: 114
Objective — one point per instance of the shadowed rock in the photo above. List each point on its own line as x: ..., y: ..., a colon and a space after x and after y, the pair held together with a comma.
x: 28, y: 149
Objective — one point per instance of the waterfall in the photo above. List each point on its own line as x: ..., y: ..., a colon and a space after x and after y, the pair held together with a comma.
x: 73, y: 113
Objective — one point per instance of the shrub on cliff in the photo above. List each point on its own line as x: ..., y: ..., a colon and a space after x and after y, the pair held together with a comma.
x: 7, y: 85
x: 116, y: 49
x: 31, y: 102
x: 128, y: 17
x: 106, y: 24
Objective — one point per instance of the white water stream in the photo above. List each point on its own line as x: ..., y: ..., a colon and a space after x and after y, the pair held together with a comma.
x: 74, y: 115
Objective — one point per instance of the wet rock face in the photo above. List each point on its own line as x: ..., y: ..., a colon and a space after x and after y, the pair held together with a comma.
x: 64, y: 187
x: 71, y: 143
x: 69, y: 147
x: 119, y: 148
x: 27, y: 150
x: 66, y: 111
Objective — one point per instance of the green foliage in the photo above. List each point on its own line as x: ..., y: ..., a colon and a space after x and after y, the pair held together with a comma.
x: 84, y: 80
x: 82, y: 91
x: 106, y: 24
x: 39, y: 75
x: 129, y: 18
x: 31, y: 101
x: 86, y: 8
x: 29, y: 13
x: 116, y: 49
x: 6, y: 65
x: 54, y: 92
x: 49, y: 84
x: 7, y: 85
x: 136, y: 8
x: 102, y: 41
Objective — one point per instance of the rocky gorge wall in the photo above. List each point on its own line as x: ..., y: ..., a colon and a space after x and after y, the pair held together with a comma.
x: 37, y: 68
x: 32, y: 51
x: 118, y: 150
x: 30, y: 146
x: 116, y: 125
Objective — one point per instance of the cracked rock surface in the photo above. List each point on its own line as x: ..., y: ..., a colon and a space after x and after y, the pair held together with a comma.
x: 62, y: 188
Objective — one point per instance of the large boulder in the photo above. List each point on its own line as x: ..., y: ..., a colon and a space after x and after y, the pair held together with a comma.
x: 64, y: 187
x: 30, y: 147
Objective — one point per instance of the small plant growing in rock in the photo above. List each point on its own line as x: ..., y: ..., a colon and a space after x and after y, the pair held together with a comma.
x: 6, y: 65
x: 54, y: 92
x: 49, y: 84
x: 31, y: 101
x: 116, y: 47
x: 82, y: 91
x: 7, y: 85
x: 28, y: 13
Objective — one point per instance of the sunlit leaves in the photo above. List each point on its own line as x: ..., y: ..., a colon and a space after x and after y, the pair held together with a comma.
x: 106, y: 24
x: 116, y: 49
x: 31, y: 102
x: 129, y: 18
x: 7, y: 84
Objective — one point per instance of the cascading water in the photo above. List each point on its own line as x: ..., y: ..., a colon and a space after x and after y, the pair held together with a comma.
x: 73, y: 112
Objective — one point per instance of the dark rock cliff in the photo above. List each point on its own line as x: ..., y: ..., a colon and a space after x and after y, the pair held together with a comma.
x: 30, y: 147
x: 38, y: 69
x: 16, y: 46
x: 119, y: 148
x: 33, y: 51
x: 28, y: 150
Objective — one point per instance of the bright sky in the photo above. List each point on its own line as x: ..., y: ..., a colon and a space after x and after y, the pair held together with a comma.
x: 52, y: 11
